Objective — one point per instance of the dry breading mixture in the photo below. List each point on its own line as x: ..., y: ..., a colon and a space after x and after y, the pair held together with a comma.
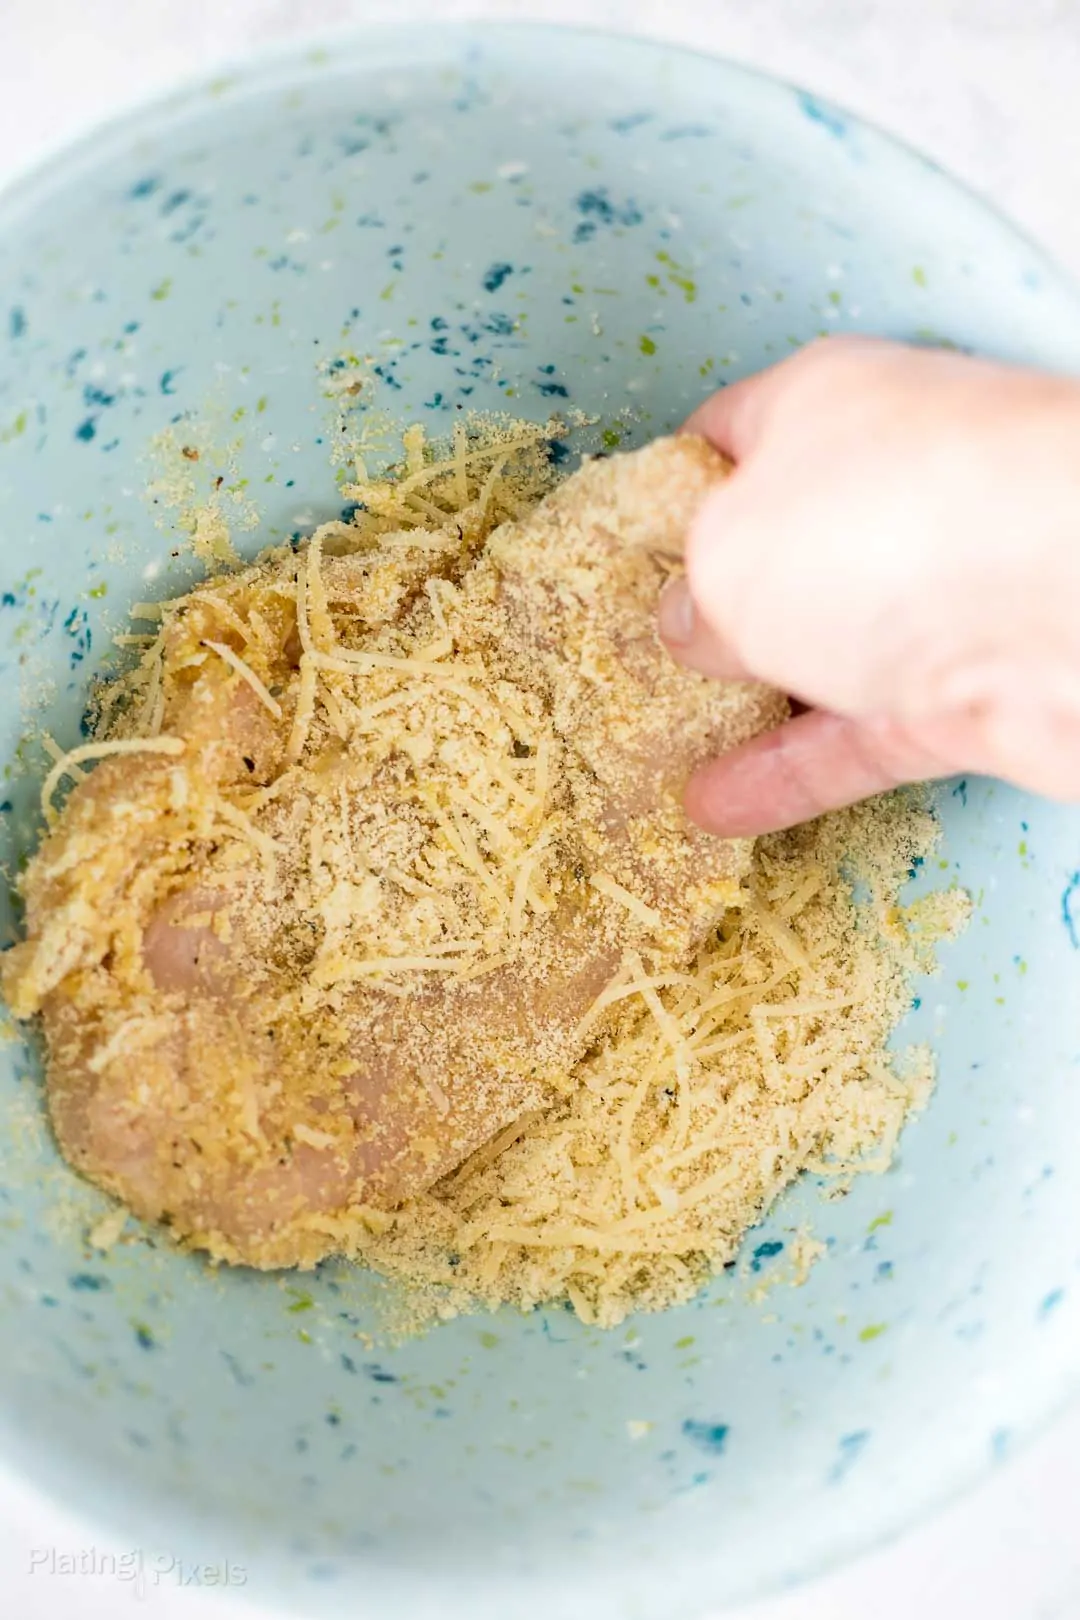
x: 768, y: 1058
x: 402, y: 782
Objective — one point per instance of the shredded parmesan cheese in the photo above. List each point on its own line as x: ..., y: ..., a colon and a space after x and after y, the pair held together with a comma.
x: 305, y: 708
x: 689, y: 1122
x: 246, y: 673
x: 615, y: 891
x: 67, y: 764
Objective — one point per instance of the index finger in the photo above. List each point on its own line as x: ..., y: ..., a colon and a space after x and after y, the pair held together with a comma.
x: 732, y: 418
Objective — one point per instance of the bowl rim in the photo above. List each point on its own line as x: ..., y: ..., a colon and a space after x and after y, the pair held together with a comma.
x: 245, y: 73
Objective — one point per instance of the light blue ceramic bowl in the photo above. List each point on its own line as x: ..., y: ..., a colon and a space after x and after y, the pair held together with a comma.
x: 521, y: 218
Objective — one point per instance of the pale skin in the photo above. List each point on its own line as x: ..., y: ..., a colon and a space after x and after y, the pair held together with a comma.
x: 898, y: 548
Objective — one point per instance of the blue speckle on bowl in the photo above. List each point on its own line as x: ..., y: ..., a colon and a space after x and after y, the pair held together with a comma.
x: 824, y: 114
x: 710, y: 1437
x: 850, y: 1448
x: 1069, y: 899
x: 1050, y: 1303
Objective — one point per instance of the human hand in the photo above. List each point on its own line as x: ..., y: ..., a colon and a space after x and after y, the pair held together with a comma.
x: 898, y: 548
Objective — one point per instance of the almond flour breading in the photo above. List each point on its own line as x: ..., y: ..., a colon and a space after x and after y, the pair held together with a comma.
x: 768, y: 1057
x: 383, y: 932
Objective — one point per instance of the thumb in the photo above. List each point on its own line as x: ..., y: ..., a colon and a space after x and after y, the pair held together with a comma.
x: 815, y: 763
x: 691, y: 640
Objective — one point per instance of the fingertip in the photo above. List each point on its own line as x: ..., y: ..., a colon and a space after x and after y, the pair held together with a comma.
x: 675, y: 615
x: 727, y: 417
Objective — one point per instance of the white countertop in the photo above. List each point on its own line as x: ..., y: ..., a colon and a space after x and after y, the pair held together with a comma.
x: 991, y: 88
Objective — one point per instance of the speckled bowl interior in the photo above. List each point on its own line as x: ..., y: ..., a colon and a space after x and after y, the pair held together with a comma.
x: 523, y: 219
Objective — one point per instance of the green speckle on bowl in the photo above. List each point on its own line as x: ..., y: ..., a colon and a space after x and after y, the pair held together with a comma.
x: 874, y: 1331
x: 646, y: 344
x: 679, y: 276
x: 930, y: 334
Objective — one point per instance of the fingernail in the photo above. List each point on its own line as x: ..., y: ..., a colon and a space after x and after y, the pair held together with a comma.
x: 676, y: 614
